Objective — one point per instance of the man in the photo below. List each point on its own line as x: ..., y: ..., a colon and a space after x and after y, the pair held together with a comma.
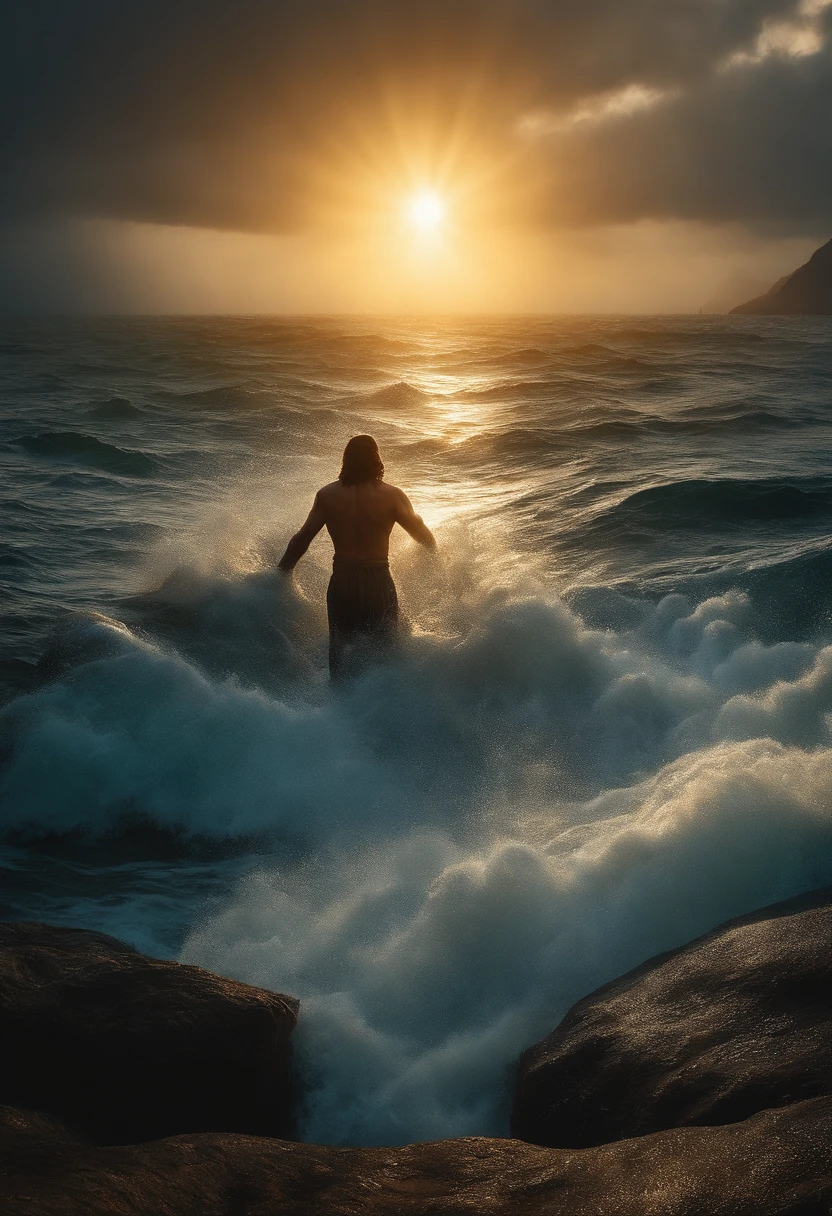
x: 359, y: 511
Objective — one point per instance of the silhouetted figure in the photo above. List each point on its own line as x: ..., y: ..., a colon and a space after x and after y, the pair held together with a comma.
x: 359, y: 511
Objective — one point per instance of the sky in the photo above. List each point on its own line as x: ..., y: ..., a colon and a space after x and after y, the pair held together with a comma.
x: 261, y: 155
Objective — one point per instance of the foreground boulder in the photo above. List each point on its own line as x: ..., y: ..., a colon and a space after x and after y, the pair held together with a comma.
x: 775, y: 1164
x: 734, y: 1023
x: 126, y: 1048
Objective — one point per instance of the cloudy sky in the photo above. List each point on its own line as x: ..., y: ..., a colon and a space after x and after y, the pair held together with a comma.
x: 253, y: 155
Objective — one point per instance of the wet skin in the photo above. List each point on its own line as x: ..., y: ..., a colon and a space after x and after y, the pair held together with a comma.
x: 359, y: 520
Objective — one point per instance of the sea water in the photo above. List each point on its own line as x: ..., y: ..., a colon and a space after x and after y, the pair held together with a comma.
x: 605, y: 731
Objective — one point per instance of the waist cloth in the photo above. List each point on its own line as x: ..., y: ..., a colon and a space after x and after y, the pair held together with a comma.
x: 361, y: 598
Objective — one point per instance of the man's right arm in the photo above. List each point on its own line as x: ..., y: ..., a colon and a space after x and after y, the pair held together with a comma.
x: 302, y: 539
x: 412, y: 523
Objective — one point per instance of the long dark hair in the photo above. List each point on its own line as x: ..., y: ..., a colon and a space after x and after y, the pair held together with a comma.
x: 361, y: 462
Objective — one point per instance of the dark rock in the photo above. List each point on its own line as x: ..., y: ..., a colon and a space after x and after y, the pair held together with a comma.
x: 125, y: 1048
x: 774, y: 1164
x: 807, y: 291
x: 734, y: 1023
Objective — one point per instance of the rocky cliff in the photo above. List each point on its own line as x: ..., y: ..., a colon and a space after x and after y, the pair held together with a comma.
x: 807, y: 291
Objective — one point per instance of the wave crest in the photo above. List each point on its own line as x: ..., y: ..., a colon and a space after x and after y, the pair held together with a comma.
x: 76, y: 447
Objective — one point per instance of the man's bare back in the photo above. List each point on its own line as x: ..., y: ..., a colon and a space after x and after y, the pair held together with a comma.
x: 359, y: 519
x: 359, y: 511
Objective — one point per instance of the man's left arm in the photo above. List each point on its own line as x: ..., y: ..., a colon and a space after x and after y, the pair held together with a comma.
x: 412, y: 523
x: 303, y: 538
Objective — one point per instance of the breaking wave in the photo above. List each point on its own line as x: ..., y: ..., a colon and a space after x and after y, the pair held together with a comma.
x: 458, y: 845
x: 606, y: 729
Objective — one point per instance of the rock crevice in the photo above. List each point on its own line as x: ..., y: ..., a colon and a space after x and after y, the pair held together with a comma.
x: 699, y: 1084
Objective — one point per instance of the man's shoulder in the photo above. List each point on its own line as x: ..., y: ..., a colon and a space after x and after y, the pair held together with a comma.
x: 335, y: 493
x: 392, y: 490
x: 329, y: 491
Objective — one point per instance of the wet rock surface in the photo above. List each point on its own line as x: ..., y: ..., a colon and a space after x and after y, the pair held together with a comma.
x: 125, y: 1048
x: 734, y: 1023
x: 698, y: 1085
x: 774, y: 1164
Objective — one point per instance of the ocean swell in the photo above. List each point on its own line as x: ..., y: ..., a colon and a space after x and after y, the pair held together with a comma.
x: 607, y: 727
x: 75, y: 447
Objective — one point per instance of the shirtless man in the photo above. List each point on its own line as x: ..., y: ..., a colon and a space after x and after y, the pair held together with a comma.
x: 359, y: 511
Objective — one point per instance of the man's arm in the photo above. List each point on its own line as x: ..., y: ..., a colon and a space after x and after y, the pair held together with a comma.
x: 302, y: 539
x: 412, y: 523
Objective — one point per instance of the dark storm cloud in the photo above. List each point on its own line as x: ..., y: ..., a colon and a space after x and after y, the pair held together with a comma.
x: 209, y: 112
x: 752, y: 145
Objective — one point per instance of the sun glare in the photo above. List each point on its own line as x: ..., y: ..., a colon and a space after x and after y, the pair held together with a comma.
x: 425, y: 211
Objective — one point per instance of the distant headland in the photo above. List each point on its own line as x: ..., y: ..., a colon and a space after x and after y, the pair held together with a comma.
x: 807, y: 290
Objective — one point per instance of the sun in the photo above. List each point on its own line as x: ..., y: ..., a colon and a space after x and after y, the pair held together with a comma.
x: 425, y: 211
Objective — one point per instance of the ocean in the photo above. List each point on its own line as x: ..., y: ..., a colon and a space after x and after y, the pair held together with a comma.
x: 605, y: 730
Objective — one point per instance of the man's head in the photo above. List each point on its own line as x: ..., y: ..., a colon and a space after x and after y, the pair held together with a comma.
x: 361, y: 462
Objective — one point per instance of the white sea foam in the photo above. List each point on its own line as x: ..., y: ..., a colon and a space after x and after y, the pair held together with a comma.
x: 463, y: 842
x: 426, y: 966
